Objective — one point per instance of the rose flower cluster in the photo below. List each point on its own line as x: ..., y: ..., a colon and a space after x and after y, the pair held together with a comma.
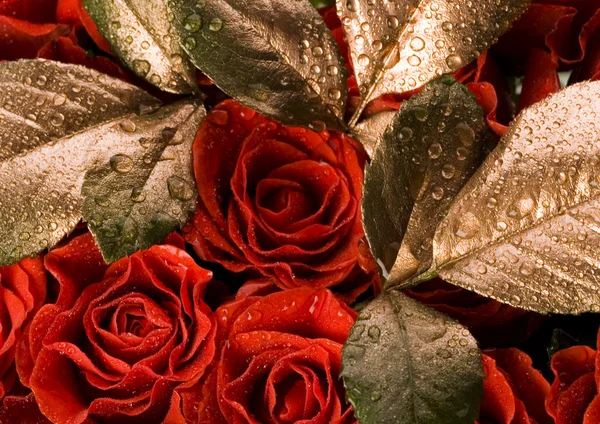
x: 158, y: 338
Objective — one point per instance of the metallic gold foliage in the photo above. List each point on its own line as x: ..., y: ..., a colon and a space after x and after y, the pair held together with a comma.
x: 57, y: 121
x: 140, y: 33
x: 370, y: 130
x: 146, y: 189
x: 406, y: 363
x: 277, y: 57
x: 430, y: 150
x: 397, y: 46
x: 526, y: 228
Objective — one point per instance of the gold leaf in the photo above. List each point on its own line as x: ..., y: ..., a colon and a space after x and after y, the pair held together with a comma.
x: 277, y: 57
x: 526, y: 228
x: 406, y: 363
x: 140, y: 33
x: 432, y: 147
x: 397, y: 46
x: 370, y: 131
x: 56, y: 122
x: 147, y: 189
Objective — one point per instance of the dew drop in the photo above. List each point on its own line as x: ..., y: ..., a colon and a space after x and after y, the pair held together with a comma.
x: 192, y: 23
x: 417, y: 44
x: 448, y: 171
x: 141, y: 67
x: 435, y: 150
x: 454, y: 61
x: 121, y: 163
x: 179, y: 188
x: 57, y: 119
x: 215, y: 25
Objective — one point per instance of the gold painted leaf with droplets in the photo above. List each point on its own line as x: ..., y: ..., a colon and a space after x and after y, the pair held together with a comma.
x: 427, y: 154
x: 147, y: 189
x: 397, y: 46
x: 277, y: 57
x: 141, y: 34
x: 370, y: 130
x: 406, y: 363
x: 526, y: 228
x: 57, y: 121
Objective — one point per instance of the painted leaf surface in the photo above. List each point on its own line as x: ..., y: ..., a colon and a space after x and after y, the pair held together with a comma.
x: 370, y: 130
x: 406, y: 363
x: 277, y: 57
x: 147, y: 189
x: 397, y: 46
x: 425, y: 157
x: 141, y: 34
x: 526, y: 228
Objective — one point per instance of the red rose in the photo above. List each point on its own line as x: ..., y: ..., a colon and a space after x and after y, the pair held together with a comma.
x: 561, y: 27
x: 279, y: 361
x: 513, y: 391
x: 491, y: 322
x: 22, y: 292
x: 282, y: 201
x: 119, y: 340
x: 574, y: 397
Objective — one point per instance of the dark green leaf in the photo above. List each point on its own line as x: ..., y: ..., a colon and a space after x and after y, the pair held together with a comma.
x: 146, y: 189
x: 406, y: 363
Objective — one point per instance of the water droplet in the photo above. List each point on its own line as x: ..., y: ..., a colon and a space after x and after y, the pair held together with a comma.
x: 417, y: 44
x: 421, y: 113
x: 128, y: 126
x: 189, y: 43
x: 179, y: 188
x: 141, y: 67
x: 447, y: 26
x: 414, y: 60
x: 448, y: 171
x: 138, y: 195
x: 145, y: 45
x: 435, y: 150
x: 437, y: 193
x: 121, y: 163
x: 467, y: 226
x: 192, y: 23
x: 454, y: 61
x: 57, y: 119
x: 215, y: 25
x: 363, y: 60
x: 465, y: 134
x: 521, y: 208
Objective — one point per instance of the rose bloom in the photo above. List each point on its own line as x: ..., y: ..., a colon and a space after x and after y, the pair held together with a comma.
x: 513, y: 391
x: 22, y: 292
x: 279, y: 362
x: 280, y: 201
x: 574, y: 397
x: 119, y: 339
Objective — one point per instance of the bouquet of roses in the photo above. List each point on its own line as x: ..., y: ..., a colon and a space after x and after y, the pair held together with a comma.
x: 283, y: 211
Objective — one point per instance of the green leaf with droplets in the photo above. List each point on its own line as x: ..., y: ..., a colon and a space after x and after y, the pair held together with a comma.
x: 146, y: 190
x: 277, y: 57
x: 140, y: 33
x: 53, y: 120
x: 428, y: 152
x: 406, y: 363
x: 526, y: 228
x: 398, y: 46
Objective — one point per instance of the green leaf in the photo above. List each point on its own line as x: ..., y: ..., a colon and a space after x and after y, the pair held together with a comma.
x: 146, y: 190
x: 406, y: 363
x: 398, y: 46
x: 140, y: 33
x: 431, y: 148
x: 526, y: 228
x: 277, y: 57
x: 53, y: 121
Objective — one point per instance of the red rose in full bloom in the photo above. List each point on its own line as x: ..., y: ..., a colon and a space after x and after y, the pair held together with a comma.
x: 513, y: 391
x: 119, y: 340
x: 22, y: 292
x: 279, y: 362
x: 491, y: 322
x: 280, y: 201
x: 575, y: 395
